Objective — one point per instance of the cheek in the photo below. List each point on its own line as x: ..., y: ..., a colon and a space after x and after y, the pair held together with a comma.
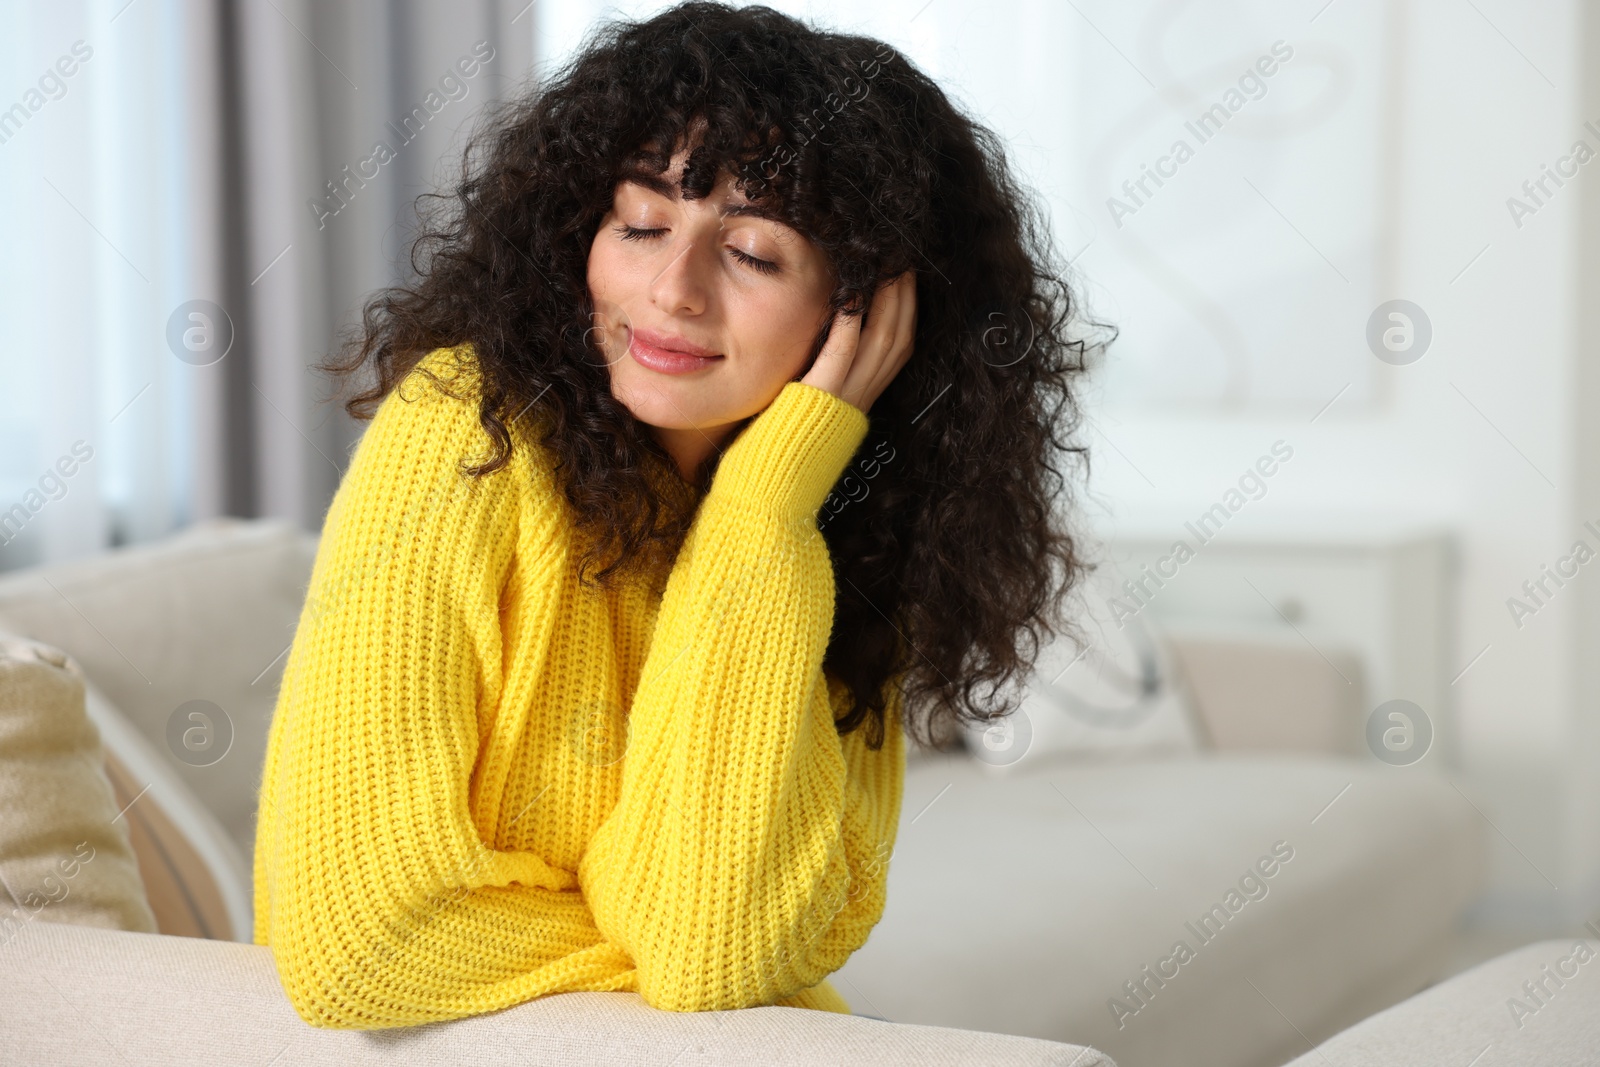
x: 777, y: 321
x: 612, y: 280
x: 618, y: 274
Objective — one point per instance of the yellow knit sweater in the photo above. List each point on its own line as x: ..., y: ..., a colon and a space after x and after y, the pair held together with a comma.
x: 485, y: 783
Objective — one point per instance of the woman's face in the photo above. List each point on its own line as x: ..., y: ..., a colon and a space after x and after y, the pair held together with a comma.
x: 674, y: 279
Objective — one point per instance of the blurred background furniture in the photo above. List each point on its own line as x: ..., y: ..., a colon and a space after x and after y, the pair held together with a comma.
x: 1328, y: 594
x: 1487, y: 1017
x: 1040, y: 877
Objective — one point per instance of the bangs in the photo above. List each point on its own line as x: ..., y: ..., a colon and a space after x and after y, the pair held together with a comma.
x: 777, y: 120
x: 722, y: 143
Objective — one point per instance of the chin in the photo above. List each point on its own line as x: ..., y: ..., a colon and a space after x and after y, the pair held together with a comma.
x: 661, y: 405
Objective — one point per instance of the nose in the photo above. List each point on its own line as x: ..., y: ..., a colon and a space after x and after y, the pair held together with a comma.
x: 681, y: 286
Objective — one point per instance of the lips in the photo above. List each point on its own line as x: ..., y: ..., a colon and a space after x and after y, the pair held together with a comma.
x: 668, y: 355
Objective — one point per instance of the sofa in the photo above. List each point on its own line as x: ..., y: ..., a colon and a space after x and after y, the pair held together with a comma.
x: 1038, y: 898
x: 1539, y: 1004
x: 84, y: 995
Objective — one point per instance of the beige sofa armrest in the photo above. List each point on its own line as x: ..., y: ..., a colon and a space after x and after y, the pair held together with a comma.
x: 1539, y: 1004
x: 78, y: 994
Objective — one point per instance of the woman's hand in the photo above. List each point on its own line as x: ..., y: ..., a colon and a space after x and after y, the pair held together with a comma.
x: 860, y: 359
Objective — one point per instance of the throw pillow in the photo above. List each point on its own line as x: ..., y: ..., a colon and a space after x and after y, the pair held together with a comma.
x: 64, y: 849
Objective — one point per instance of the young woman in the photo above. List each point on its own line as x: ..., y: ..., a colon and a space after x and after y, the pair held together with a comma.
x: 722, y: 430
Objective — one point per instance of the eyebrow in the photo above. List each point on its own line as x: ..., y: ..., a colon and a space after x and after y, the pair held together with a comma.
x: 658, y: 184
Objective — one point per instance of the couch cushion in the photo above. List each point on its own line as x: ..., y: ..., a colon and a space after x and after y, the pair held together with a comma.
x: 1241, y: 678
x: 160, y: 1000
x: 1537, y: 1005
x: 203, y: 616
x: 64, y: 851
x: 1023, y: 904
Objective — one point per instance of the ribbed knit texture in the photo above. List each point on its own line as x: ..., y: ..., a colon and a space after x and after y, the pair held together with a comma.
x: 485, y: 783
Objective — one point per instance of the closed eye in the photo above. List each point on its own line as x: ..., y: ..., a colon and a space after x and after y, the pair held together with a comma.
x: 762, y: 265
x: 637, y: 233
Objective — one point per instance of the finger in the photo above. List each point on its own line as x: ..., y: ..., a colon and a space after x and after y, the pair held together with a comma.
x: 845, y: 336
x: 898, y: 347
x: 877, y: 336
x: 907, y: 327
x: 838, y: 352
x: 879, y: 329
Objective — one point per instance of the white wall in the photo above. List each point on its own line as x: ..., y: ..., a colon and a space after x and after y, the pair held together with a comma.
x: 1477, y: 434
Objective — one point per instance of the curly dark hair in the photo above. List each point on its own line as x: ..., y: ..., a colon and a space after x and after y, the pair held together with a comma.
x: 952, y: 550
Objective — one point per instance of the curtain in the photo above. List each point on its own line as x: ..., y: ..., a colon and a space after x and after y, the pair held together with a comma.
x: 202, y: 194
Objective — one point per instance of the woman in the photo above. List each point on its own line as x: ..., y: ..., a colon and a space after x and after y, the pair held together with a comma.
x: 599, y: 683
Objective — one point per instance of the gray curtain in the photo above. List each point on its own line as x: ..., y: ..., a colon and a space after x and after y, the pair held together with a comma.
x: 331, y: 120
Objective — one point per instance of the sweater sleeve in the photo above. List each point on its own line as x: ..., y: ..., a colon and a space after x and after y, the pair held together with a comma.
x: 385, y: 906
x: 746, y: 857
